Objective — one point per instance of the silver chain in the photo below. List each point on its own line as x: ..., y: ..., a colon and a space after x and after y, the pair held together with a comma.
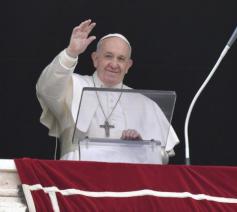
x: 107, y: 118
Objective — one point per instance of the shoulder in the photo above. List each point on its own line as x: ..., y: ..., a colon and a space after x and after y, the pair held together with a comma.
x: 84, y: 80
x: 126, y: 87
x: 138, y: 97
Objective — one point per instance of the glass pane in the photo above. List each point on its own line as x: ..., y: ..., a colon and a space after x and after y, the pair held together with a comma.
x: 104, y: 114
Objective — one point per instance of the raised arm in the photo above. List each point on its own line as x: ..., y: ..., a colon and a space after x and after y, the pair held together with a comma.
x: 58, y: 73
x: 54, y: 87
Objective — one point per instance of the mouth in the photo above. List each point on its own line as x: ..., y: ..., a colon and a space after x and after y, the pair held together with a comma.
x: 112, y: 71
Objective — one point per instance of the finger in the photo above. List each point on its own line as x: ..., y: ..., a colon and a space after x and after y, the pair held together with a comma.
x: 83, y: 31
x: 130, y: 134
x: 90, y: 39
x: 139, y: 137
x: 123, y: 135
x: 126, y: 135
x: 133, y: 134
x: 84, y: 24
x: 90, y: 27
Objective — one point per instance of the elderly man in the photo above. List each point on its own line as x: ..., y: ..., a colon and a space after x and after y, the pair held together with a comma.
x: 59, y: 91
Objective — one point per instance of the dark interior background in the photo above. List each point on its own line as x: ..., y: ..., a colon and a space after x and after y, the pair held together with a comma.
x: 175, y: 45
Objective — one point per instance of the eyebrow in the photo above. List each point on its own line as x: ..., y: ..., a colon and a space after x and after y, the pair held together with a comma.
x: 123, y: 56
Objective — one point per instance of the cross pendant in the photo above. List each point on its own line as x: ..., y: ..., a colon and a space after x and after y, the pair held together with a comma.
x: 107, y: 127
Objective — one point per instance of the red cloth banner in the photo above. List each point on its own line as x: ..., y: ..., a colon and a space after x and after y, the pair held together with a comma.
x: 96, y: 186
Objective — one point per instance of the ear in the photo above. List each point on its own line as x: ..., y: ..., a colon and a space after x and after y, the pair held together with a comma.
x: 94, y: 58
x: 129, y: 65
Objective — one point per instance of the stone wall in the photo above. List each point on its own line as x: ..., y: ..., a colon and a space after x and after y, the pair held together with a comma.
x: 11, y: 193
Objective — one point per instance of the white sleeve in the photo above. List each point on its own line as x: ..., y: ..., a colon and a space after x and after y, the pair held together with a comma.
x: 67, y: 61
x: 172, y: 141
x: 54, y: 92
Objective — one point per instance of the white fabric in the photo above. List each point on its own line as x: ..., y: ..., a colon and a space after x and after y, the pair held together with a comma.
x: 59, y: 92
x: 118, y: 36
x: 67, y: 61
x: 133, y: 193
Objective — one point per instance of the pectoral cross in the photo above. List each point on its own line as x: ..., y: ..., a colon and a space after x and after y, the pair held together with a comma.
x: 107, y: 127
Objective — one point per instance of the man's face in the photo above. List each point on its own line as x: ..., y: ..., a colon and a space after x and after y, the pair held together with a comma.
x: 112, y: 60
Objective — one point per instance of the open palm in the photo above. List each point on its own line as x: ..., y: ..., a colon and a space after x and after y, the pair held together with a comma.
x: 80, y: 38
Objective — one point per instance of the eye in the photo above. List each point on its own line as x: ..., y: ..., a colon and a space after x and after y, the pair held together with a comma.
x: 108, y: 56
x: 122, y: 59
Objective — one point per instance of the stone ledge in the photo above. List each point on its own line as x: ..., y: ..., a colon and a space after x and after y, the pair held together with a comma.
x: 11, y: 195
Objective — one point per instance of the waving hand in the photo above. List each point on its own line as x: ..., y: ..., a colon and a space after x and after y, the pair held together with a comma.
x: 80, y: 38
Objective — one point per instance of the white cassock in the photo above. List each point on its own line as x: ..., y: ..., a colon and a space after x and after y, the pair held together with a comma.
x: 59, y: 91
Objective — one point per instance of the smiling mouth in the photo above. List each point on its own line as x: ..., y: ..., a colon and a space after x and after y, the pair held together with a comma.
x: 111, y: 71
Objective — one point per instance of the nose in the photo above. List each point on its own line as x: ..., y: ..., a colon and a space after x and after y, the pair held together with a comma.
x: 113, y: 64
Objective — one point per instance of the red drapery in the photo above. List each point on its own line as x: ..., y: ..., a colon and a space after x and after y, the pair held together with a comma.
x: 95, y: 186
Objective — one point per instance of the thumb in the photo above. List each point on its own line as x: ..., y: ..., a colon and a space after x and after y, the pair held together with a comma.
x: 90, y: 39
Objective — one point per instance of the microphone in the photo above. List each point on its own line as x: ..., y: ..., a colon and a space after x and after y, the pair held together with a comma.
x: 232, y: 38
x: 223, y: 53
